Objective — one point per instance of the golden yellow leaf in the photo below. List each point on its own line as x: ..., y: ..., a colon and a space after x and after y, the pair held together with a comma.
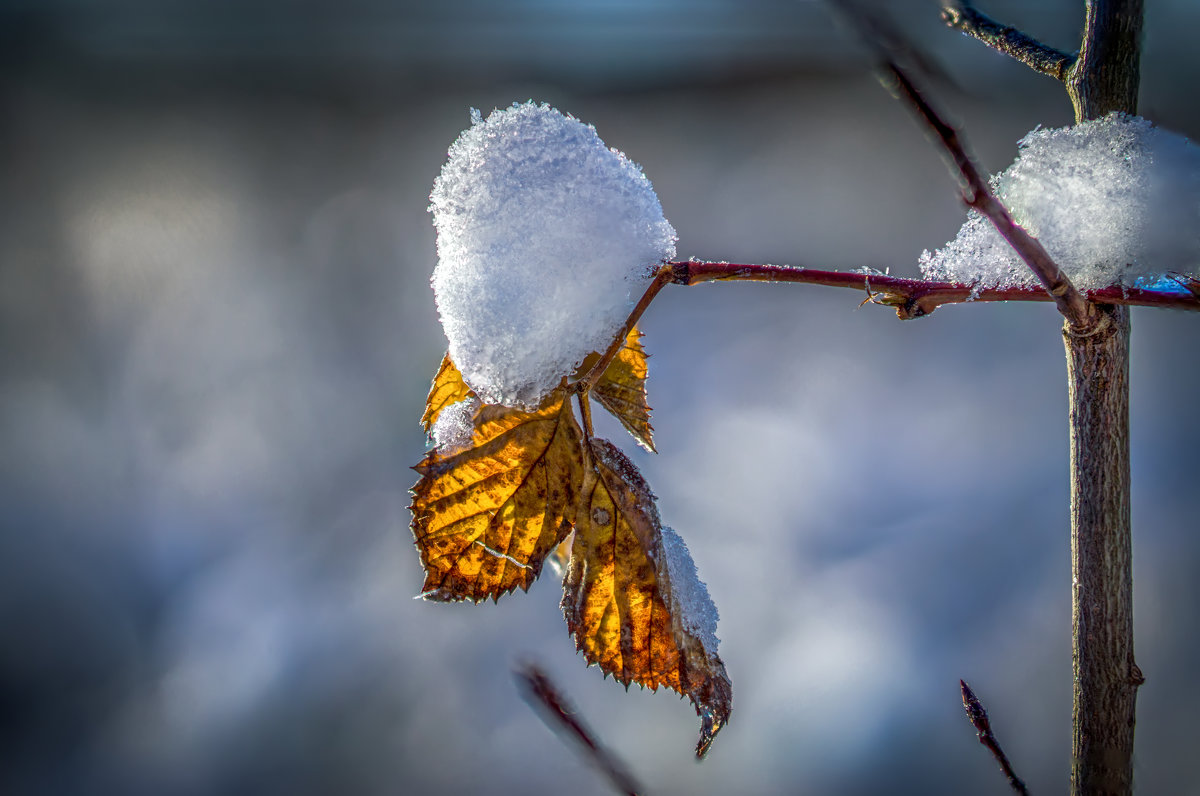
x: 618, y: 599
x: 622, y: 390
x: 448, y: 388
x: 485, y: 517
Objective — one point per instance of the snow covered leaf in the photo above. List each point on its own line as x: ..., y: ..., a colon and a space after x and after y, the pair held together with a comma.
x: 448, y: 388
x: 546, y: 238
x: 631, y: 597
x: 622, y: 390
x: 486, y: 516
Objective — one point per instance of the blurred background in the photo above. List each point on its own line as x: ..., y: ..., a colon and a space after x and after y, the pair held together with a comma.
x: 217, y: 332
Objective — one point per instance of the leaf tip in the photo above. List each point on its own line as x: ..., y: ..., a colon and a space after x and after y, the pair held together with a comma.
x: 709, y: 727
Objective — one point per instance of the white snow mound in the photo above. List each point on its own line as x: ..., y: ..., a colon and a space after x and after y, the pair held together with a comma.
x: 1113, y: 201
x: 546, y: 238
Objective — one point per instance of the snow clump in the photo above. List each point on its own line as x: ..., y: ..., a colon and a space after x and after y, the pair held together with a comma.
x: 454, y: 427
x: 546, y: 238
x: 1112, y: 200
x: 692, y: 605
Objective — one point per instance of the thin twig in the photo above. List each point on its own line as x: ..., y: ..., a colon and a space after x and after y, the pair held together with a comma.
x: 914, y: 298
x: 979, y: 720
x: 1039, y: 57
x: 536, y: 686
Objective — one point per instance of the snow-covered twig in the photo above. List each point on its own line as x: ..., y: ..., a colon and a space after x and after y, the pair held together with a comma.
x: 962, y: 16
x: 914, y: 298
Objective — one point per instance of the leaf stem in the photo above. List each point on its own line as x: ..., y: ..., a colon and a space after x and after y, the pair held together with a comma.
x: 662, y: 277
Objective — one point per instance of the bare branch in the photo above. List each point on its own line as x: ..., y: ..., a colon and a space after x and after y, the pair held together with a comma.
x: 537, y: 687
x: 1039, y: 57
x: 914, y: 298
x: 979, y: 720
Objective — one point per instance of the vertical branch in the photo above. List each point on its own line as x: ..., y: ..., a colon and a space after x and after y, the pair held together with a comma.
x: 1105, y: 674
x: 1104, y: 78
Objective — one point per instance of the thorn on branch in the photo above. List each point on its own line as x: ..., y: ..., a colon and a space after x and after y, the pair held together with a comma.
x: 1039, y: 57
x: 979, y: 720
x: 539, y: 691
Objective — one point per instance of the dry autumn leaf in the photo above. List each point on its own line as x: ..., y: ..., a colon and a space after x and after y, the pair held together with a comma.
x: 522, y: 486
x: 619, y: 600
x: 622, y: 390
x: 486, y: 517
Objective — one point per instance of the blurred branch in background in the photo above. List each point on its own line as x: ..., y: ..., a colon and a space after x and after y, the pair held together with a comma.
x: 541, y: 694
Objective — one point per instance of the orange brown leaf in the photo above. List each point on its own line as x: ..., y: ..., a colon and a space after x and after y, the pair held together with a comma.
x: 618, y: 596
x: 448, y: 388
x: 622, y: 390
x: 486, y: 516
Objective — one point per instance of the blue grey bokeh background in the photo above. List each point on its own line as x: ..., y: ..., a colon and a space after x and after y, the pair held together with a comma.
x: 217, y: 334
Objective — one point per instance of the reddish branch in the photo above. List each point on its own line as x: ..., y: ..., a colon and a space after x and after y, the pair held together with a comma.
x: 912, y: 298
x: 979, y: 720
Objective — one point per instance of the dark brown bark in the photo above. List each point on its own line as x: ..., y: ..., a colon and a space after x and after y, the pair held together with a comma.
x: 1103, y: 79
x: 1105, y: 75
x: 1106, y: 677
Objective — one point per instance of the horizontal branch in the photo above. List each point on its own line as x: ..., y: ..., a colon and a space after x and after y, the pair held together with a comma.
x: 963, y: 17
x: 913, y: 298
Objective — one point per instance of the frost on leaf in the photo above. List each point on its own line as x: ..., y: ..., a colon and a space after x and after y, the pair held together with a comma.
x: 622, y: 390
x: 619, y: 599
x: 1112, y: 200
x: 485, y: 517
x: 546, y: 237
x: 455, y: 427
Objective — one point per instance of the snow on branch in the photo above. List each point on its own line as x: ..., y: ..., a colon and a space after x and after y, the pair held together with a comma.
x: 978, y: 196
x: 1115, y: 201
